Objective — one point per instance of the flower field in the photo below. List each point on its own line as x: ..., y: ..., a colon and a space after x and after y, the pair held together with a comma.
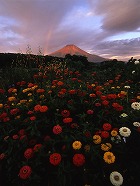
x: 69, y: 127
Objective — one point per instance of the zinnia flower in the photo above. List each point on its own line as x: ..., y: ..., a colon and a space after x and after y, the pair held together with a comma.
x: 124, y: 131
x: 107, y: 126
x: 97, y: 139
x: 55, y: 159
x: 57, y: 129
x: 116, y: 178
x: 28, y: 153
x: 136, y: 124
x: 25, y: 172
x: 106, y: 146
x: 109, y: 157
x: 114, y: 133
x: 77, y: 145
x: 67, y: 120
x: 65, y: 113
x: 135, y: 105
x: 78, y: 160
x: 37, y: 147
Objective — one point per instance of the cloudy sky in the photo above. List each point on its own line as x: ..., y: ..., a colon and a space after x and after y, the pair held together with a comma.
x: 109, y: 28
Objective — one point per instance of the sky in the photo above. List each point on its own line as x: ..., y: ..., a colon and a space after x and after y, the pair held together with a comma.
x: 108, y: 28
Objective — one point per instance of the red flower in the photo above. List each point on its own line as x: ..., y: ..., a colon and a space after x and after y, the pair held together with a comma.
x: 103, y: 97
x: 104, y: 134
x: 87, y: 134
x: 30, y: 112
x: 14, y: 111
x: 107, y: 126
x: 117, y: 106
x: 37, y: 147
x: 65, y: 113
x: 55, y: 159
x: 15, y: 137
x: 57, y: 129
x: 2, y: 156
x: 28, y: 153
x: 6, y: 119
x: 97, y: 104
x: 105, y: 103
x: 67, y: 120
x: 72, y: 91
x: 25, y: 172
x: 21, y: 132
x: 33, y: 118
x: 78, y: 160
x: 99, y: 93
x: 90, y: 112
x: 47, y: 138
x: 2, y: 91
x: 111, y: 96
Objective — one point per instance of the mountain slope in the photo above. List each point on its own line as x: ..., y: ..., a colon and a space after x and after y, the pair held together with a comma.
x: 74, y: 50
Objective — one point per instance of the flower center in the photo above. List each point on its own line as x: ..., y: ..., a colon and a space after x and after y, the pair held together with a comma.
x: 124, y: 130
x: 25, y: 171
x: 116, y: 177
x: 109, y: 156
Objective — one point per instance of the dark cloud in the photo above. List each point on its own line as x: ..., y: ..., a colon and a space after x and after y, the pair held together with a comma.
x: 119, y: 16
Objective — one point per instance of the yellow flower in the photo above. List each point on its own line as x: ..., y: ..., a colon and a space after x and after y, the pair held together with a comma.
x: 138, y: 97
x: 41, y: 96
x: 114, y: 133
x: 11, y: 98
x: 30, y: 94
x: 1, y: 105
x: 23, y: 101
x: 30, y: 100
x: 34, y: 87
x: 26, y: 90
x: 97, y: 139
x: 77, y: 145
x: 106, y: 146
x: 93, y: 85
x: 124, y: 93
x: 109, y: 157
x: 118, y: 87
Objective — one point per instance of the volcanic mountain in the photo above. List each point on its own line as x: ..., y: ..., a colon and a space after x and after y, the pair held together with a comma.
x: 74, y: 50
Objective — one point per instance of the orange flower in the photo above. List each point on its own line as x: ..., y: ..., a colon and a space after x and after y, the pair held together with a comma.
x: 40, y: 90
x: 43, y: 108
x: 39, y: 108
x: 72, y: 91
x: 67, y: 120
x: 60, y: 83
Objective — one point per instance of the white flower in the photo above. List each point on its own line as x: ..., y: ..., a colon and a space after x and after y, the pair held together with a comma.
x: 124, y: 131
x: 124, y: 115
x: 136, y: 124
x: 136, y: 62
x: 133, y: 71
x: 127, y: 87
x: 135, y: 105
x: 116, y: 178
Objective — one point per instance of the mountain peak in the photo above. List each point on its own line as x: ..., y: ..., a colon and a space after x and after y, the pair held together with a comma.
x: 74, y: 50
